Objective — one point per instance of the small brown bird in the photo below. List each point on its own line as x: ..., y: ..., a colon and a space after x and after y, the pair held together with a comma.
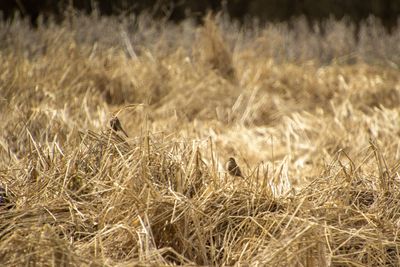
x: 233, y: 168
x: 116, y: 125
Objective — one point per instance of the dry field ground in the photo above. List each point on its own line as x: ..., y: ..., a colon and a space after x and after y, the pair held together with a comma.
x: 311, y: 116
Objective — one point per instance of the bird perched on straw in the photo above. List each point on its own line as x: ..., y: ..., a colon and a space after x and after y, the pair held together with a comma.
x: 115, y: 124
x: 233, y: 169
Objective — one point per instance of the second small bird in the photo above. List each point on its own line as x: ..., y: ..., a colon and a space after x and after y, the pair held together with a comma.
x: 233, y: 169
x: 115, y: 124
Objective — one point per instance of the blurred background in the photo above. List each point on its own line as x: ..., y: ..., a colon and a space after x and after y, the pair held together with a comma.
x: 242, y: 10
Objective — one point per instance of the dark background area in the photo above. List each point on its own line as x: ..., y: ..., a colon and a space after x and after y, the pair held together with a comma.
x: 176, y: 10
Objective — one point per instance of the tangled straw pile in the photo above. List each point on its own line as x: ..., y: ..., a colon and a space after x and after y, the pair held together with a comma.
x: 313, y: 120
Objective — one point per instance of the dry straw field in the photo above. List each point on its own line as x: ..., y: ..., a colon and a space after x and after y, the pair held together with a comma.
x: 311, y: 114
